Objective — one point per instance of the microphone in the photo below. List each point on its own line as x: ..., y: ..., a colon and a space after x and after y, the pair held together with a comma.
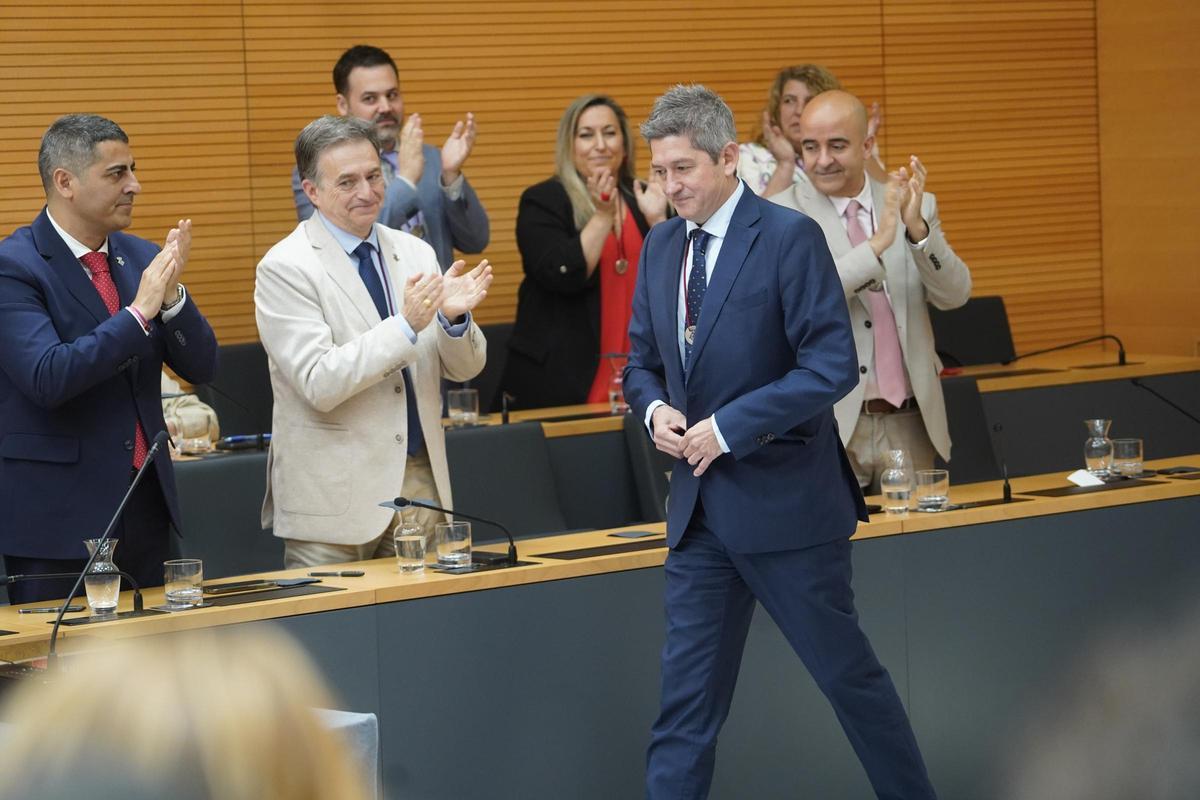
x: 1101, y: 337
x: 998, y: 429
x: 212, y: 385
x: 1138, y: 383
x: 403, y: 502
x: 159, y: 441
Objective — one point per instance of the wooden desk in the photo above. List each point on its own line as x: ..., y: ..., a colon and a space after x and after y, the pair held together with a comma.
x: 974, y: 612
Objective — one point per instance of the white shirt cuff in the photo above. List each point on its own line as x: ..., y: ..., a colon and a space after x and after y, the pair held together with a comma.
x: 916, y: 245
x: 650, y: 414
x: 717, y: 432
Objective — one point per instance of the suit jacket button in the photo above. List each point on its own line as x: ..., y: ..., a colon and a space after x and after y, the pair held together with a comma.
x: 129, y: 444
x: 399, y: 389
x: 399, y: 438
x: 863, y: 370
x: 562, y: 269
x: 868, y: 323
x: 179, y: 337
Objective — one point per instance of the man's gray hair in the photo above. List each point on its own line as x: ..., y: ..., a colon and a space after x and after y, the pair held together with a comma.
x: 696, y: 112
x: 326, y: 132
x: 70, y: 144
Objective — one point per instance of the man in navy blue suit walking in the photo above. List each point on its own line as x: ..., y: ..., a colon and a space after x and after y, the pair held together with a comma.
x: 88, y: 315
x: 741, y: 344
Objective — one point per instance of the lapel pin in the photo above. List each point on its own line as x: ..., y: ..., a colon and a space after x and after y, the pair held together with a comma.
x: 395, y: 257
x: 120, y: 261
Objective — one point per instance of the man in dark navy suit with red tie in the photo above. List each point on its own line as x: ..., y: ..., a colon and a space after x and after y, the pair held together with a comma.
x: 741, y: 344
x: 88, y: 316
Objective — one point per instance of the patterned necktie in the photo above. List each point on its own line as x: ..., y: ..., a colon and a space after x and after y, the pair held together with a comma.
x: 889, y: 360
x: 696, y: 286
x: 97, y: 264
x: 370, y: 276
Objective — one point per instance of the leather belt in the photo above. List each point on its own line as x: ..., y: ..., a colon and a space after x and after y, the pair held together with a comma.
x: 881, y: 406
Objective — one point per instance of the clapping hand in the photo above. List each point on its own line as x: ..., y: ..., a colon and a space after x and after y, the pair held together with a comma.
x: 409, y: 153
x: 779, y: 145
x: 462, y: 291
x: 422, y: 298
x: 651, y: 201
x: 602, y: 186
x: 457, y: 148
x: 913, y: 180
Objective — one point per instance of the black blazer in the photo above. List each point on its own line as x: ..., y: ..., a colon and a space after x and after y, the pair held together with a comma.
x: 555, y: 346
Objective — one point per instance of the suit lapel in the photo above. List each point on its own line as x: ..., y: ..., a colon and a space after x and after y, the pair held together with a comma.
x: 125, y: 274
x: 341, y: 269
x: 67, y: 267
x: 738, y: 239
x: 664, y: 302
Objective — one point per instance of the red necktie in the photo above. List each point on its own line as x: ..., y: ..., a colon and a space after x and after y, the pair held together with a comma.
x: 97, y: 264
x: 889, y: 361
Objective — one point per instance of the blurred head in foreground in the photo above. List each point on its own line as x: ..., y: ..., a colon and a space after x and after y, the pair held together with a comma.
x: 1127, y: 726
x: 198, y: 716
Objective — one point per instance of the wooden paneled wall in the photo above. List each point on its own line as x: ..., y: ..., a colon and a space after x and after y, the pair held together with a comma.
x: 1150, y: 187
x: 999, y: 99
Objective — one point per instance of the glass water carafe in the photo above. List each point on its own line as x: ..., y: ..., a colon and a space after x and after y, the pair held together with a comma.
x: 896, y: 481
x: 103, y: 581
x: 1098, y: 449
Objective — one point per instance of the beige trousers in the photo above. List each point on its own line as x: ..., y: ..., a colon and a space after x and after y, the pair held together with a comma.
x: 418, y: 484
x: 875, y: 434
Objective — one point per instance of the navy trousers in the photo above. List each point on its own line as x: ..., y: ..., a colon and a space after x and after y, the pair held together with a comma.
x: 710, y: 599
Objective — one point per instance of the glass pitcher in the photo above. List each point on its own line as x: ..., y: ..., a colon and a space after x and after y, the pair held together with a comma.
x: 896, y: 481
x: 1098, y: 449
x: 103, y: 581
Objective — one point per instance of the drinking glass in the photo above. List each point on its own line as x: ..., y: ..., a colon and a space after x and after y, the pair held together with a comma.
x: 616, y: 386
x: 896, y: 481
x: 453, y: 543
x: 1127, y: 457
x: 933, y: 489
x: 181, y: 579
x: 463, y: 407
x: 410, y: 548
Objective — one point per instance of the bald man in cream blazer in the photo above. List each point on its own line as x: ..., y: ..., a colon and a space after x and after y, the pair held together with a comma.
x: 341, y: 422
x: 906, y: 256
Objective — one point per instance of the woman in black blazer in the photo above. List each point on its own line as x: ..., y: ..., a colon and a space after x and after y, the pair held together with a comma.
x: 580, y: 235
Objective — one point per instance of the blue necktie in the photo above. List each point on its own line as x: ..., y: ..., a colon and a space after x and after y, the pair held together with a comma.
x: 370, y: 276
x: 696, y: 286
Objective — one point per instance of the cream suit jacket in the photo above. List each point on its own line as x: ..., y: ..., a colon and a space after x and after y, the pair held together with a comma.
x: 935, y: 274
x: 340, y: 424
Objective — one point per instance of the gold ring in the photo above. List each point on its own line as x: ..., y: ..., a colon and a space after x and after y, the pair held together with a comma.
x: 426, y: 302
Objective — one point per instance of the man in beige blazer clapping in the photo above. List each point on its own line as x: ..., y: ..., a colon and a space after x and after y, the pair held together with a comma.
x: 892, y: 258
x: 360, y: 327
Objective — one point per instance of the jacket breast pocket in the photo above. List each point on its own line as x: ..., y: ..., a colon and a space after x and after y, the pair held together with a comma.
x: 39, y: 447
x: 747, y: 301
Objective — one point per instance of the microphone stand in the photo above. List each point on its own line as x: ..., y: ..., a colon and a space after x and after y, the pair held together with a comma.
x: 1120, y: 348
x: 138, y: 604
x: 1138, y: 383
x: 52, y: 655
x: 401, y: 502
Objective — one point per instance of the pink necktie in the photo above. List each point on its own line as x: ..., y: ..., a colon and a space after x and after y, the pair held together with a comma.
x: 889, y: 361
x: 97, y: 264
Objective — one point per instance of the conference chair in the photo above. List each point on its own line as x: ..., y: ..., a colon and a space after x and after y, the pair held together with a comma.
x: 972, y: 457
x: 976, y: 333
x: 241, y: 391
x: 503, y: 473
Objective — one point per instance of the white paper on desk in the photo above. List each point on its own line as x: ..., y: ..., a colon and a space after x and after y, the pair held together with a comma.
x: 1081, y: 477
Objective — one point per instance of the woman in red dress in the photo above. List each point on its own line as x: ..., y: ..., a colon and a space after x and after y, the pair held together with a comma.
x: 580, y: 235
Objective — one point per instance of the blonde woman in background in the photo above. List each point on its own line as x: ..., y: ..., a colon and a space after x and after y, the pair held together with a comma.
x: 209, y: 715
x: 778, y: 143
x: 580, y: 236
